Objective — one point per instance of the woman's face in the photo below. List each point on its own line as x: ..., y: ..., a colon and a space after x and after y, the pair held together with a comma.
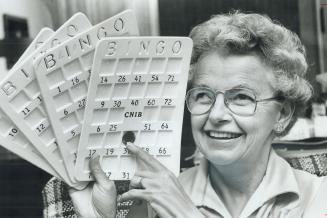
x: 222, y: 136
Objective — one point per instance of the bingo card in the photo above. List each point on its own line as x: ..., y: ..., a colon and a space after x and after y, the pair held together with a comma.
x: 42, y: 36
x: 22, y: 103
x: 136, y: 94
x: 10, y: 135
x: 63, y: 75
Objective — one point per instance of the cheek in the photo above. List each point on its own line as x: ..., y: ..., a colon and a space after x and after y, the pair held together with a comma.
x: 258, y: 127
x: 197, y: 122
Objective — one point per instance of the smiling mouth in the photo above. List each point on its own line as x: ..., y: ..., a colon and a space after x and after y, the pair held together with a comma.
x: 223, y: 135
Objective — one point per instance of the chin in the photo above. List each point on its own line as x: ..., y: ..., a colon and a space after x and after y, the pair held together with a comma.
x: 223, y: 157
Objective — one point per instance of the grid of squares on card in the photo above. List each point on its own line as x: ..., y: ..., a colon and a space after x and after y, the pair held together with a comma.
x: 19, y: 96
x: 64, y: 92
x: 136, y: 94
x: 20, y: 92
x: 68, y: 68
x: 10, y: 136
x: 85, y: 90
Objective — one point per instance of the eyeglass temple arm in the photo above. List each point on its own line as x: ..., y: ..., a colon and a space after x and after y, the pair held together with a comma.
x: 278, y: 98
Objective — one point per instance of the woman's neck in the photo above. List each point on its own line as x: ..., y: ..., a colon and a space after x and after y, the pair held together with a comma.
x: 235, y: 183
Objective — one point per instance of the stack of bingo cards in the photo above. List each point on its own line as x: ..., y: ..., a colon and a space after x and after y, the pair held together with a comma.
x: 85, y: 91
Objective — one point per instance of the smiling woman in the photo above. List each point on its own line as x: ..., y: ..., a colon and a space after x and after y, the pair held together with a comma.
x: 247, y: 86
x: 240, y: 116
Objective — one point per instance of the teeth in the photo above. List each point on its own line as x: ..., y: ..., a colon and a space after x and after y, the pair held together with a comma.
x: 224, y: 135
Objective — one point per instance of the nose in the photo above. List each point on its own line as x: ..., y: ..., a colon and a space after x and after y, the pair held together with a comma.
x: 218, y: 111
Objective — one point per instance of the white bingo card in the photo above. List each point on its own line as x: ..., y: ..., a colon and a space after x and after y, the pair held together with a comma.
x: 11, y: 137
x: 22, y: 103
x: 136, y: 94
x: 44, y: 34
x: 63, y: 75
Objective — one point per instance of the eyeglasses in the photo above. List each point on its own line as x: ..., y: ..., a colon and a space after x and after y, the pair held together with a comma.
x: 239, y: 101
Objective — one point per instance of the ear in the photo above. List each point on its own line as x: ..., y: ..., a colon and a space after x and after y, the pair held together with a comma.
x: 285, y: 116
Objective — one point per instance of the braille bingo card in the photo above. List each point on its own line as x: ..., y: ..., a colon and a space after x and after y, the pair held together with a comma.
x: 10, y: 135
x: 42, y: 36
x: 63, y: 75
x: 136, y: 94
x: 22, y: 103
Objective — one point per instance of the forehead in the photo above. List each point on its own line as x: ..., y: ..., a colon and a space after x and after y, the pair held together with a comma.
x: 221, y: 72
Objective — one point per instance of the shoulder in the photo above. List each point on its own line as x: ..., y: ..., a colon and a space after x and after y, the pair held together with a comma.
x: 188, y: 175
x: 306, y: 179
x: 304, y: 183
x: 194, y: 179
x: 313, y: 191
x: 317, y: 207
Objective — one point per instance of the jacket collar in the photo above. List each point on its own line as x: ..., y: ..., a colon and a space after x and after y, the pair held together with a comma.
x: 278, y: 180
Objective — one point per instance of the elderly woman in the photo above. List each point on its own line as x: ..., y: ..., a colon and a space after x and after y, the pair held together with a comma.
x: 247, y: 87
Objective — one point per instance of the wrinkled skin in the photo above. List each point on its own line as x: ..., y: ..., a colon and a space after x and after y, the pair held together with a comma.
x: 98, y: 199
x: 167, y: 198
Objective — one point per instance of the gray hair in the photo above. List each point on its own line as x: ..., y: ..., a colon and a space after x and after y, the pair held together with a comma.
x: 280, y: 48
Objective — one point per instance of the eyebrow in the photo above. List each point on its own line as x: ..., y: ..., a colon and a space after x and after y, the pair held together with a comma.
x: 242, y: 86
x: 245, y: 86
x: 200, y: 85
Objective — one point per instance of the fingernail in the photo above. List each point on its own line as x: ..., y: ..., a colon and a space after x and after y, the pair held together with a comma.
x: 96, y: 157
x: 95, y: 160
x: 119, y: 198
x: 129, y: 144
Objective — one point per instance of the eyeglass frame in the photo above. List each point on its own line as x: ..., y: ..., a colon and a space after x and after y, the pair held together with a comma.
x: 215, y: 92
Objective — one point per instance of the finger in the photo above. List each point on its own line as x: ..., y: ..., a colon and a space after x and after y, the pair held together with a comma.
x: 104, y: 201
x: 99, y: 175
x: 160, y: 210
x: 142, y: 182
x: 144, y: 156
x: 145, y: 174
x: 80, y: 199
x: 135, y: 194
x: 136, y: 182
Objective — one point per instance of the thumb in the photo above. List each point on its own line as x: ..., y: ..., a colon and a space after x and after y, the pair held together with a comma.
x: 99, y: 175
x: 104, y: 193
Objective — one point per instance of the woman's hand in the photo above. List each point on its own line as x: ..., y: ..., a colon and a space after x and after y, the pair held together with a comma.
x: 98, y: 199
x: 157, y: 185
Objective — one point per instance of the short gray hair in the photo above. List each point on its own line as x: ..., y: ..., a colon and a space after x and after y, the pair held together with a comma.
x: 279, y: 48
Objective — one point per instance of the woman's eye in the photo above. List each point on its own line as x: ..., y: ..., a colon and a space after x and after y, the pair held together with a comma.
x: 203, y: 97
x: 242, y: 99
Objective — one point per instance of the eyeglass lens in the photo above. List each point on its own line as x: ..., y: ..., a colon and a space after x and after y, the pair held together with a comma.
x: 239, y: 101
